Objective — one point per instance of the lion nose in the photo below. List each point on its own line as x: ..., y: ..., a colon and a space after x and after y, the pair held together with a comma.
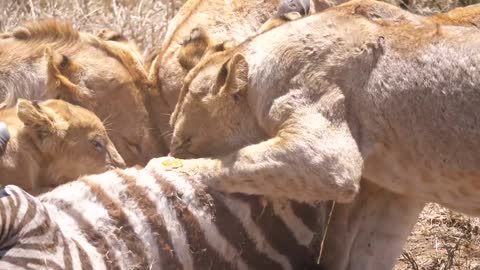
x: 115, y: 158
x: 175, y: 145
x: 179, y: 146
x: 119, y: 162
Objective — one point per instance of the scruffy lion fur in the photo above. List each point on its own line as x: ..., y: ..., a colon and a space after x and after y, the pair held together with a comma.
x: 230, y: 22
x: 199, y: 44
x: 336, y: 100
x: 106, y: 76
x: 53, y: 142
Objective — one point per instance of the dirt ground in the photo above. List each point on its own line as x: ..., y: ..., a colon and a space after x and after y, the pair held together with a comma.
x: 441, y: 240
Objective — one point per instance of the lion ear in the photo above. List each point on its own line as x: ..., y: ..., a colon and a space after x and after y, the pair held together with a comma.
x: 194, y: 48
x: 321, y: 5
x: 110, y: 35
x: 288, y: 6
x: 289, y: 10
x: 34, y: 116
x: 60, y: 67
x: 291, y: 16
x: 233, y: 76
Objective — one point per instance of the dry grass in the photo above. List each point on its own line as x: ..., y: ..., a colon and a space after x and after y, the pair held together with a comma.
x: 441, y: 239
x: 145, y: 21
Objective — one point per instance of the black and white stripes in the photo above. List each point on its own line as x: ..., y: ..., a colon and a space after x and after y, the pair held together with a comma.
x: 139, y: 219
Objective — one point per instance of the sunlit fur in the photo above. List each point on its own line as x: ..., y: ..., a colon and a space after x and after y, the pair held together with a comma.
x: 224, y: 21
x: 53, y: 142
x: 105, y: 70
x: 351, y: 77
x: 384, y: 13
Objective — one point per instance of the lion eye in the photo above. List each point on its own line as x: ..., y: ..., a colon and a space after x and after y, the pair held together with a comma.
x: 99, y: 145
x: 236, y: 98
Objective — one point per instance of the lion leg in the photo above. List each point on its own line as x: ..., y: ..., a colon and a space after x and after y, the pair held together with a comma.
x: 305, y: 162
x: 370, y: 232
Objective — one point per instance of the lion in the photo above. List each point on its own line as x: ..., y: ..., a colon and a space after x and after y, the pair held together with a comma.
x: 50, y: 59
x: 227, y: 23
x: 129, y: 45
x: 200, y: 43
x: 386, y: 13
x: 51, y: 143
x: 461, y: 16
x: 333, y: 102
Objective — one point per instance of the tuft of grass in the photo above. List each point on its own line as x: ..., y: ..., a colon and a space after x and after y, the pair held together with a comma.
x: 442, y: 240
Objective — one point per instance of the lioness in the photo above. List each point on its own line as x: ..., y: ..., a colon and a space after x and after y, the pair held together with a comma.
x: 225, y: 21
x: 368, y: 233
x: 386, y: 13
x: 51, y: 143
x: 338, y: 96
x: 317, y: 119
x: 98, y: 74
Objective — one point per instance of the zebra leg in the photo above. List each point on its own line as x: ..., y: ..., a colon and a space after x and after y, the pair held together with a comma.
x: 370, y: 232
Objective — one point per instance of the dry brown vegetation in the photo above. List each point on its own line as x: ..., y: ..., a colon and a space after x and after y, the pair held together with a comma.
x: 442, y: 239
x: 145, y: 21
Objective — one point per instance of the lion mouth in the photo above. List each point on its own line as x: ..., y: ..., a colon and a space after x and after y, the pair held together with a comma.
x: 112, y: 166
x: 183, y: 154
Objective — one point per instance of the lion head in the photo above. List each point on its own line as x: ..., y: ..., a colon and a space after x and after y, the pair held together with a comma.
x: 213, y: 116
x: 54, y: 142
x: 101, y: 75
x: 185, y: 45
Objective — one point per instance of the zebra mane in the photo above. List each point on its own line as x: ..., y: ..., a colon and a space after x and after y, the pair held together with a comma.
x: 16, y: 208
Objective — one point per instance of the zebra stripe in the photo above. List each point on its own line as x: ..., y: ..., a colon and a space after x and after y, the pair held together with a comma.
x: 152, y: 219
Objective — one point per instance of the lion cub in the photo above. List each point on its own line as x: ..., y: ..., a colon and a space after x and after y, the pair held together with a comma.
x: 51, y: 143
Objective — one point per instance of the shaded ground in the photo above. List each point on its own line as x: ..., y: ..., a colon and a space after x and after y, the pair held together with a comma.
x: 442, y: 239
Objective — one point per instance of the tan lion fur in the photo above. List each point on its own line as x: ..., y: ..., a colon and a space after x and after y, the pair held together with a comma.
x: 351, y: 91
x: 382, y: 12
x: 108, y: 75
x: 230, y: 22
x: 53, y: 142
x: 369, y: 233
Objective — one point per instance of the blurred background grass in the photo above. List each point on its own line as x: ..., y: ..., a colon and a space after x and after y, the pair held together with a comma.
x: 441, y: 240
x: 145, y: 21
